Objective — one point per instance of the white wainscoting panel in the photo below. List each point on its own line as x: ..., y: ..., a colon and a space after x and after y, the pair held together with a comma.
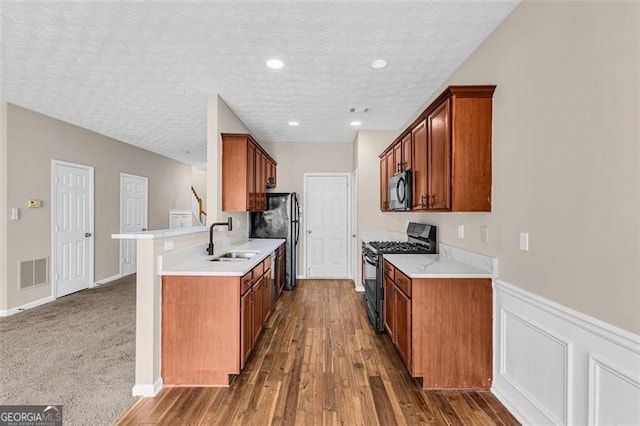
x: 614, y: 396
x: 553, y: 365
x: 541, y: 375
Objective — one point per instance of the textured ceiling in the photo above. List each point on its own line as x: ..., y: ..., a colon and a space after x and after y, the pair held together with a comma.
x: 140, y: 72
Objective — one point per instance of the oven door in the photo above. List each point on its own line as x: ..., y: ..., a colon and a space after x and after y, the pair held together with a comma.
x: 369, y: 271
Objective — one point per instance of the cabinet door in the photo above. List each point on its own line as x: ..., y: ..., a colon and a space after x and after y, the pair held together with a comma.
x: 439, y: 155
x: 263, y: 183
x: 384, y: 188
x: 258, y: 181
x: 420, y: 170
x: 266, y: 295
x: 282, y: 273
x: 271, y: 176
x: 406, y: 152
x: 246, y: 327
x: 397, y: 158
x: 389, y: 311
x: 402, y: 337
x: 251, y: 176
x: 256, y: 314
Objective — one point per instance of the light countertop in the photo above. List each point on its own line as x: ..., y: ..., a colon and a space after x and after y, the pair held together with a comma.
x: 436, y: 266
x: 159, y: 233
x: 199, y: 263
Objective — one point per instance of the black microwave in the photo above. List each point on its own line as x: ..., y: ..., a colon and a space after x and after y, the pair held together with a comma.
x: 400, y: 191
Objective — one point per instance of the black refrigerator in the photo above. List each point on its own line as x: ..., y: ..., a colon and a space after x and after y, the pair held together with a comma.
x: 280, y: 220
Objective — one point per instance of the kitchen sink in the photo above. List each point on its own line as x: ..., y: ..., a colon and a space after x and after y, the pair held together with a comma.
x: 235, y: 256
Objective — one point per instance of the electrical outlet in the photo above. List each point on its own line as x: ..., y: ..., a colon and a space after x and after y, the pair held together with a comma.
x: 485, y: 234
x: 524, y: 241
x: 461, y: 232
x: 168, y: 245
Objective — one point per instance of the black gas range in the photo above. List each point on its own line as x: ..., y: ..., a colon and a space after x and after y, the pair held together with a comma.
x: 421, y: 239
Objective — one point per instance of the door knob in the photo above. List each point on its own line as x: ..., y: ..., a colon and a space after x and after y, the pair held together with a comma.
x: 87, y: 234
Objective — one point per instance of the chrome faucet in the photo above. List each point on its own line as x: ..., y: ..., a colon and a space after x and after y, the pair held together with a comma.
x: 228, y: 223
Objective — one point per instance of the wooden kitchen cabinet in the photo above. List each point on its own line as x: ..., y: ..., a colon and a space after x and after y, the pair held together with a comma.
x: 420, y: 168
x: 397, y: 311
x: 451, y: 146
x: 272, y: 174
x: 387, y: 170
x: 439, y: 158
x: 406, y: 153
x: 246, y: 324
x: 441, y: 328
x: 280, y: 268
x: 210, y: 324
x: 246, y: 169
x: 389, y: 307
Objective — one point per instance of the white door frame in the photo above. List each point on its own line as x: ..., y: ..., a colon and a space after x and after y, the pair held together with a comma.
x: 304, y: 215
x: 54, y: 210
x: 146, y: 209
x: 353, y: 265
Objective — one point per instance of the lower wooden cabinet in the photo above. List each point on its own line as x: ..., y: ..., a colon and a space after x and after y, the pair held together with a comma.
x: 397, y: 313
x: 403, y: 325
x: 441, y: 328
x: 280, y: 268
x: 210, y: 324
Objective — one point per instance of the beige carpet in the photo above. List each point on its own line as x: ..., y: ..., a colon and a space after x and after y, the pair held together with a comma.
x: 77, y: 351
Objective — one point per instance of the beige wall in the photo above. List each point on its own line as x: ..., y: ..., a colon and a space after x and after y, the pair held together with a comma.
x: 566, y: 156
x: 295, y: 159
x: 220, y: 119
x: 33, y: 141
x: 3, y: 206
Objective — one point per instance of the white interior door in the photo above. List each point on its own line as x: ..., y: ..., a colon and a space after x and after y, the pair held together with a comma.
x: 134, y: 199
x: 72, y: 227
x: 327, y: 225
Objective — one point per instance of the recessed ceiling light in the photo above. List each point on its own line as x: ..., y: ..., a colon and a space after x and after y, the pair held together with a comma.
x: 275, y: 64
x: 293, y: 123
x: 355, y: 123
x: 378, y: 64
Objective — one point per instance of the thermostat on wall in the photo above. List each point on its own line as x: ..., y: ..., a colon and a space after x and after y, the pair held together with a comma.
x: 33, y: 204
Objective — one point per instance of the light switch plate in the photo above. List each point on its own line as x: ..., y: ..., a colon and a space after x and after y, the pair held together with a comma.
x: 524, y: 241
x: 461, y: 232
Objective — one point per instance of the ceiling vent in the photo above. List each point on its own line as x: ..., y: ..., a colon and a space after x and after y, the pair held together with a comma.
x: 359, y: 110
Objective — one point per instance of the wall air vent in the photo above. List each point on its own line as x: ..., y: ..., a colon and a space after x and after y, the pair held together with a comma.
x: 33, y: 273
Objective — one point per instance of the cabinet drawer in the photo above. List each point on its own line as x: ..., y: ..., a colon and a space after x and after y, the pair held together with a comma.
x: 246, y: 281
x: 388, y: 269
x: 403, y: 282
x: 258, y: 271
x: 266, y: 264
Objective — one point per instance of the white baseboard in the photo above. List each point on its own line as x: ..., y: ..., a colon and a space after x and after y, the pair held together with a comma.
x: 359, y: 288
x: 17, y: 309
x: 554, y: 365
x: 108, y: 279
x: 147, y: 390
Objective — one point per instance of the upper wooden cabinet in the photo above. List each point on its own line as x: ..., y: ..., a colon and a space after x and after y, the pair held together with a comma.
x: 247, y: 172
x: 387, y: 170
x: 451, y: 146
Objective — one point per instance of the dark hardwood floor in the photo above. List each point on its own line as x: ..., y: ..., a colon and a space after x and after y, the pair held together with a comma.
x: 318, y: 361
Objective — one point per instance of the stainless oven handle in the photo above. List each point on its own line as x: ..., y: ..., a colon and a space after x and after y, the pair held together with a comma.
x: 369, y: 261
